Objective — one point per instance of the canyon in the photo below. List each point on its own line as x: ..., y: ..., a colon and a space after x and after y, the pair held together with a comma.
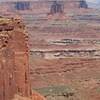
x: 64, y: 48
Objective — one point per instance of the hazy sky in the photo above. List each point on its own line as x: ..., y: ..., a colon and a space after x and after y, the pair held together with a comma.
x: 94, y: 1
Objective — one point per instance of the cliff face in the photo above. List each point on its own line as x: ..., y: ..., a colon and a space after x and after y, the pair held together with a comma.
x: 14, y: 69
x: 14, y: 66
x: 22, y: 5
x: 83, y: 4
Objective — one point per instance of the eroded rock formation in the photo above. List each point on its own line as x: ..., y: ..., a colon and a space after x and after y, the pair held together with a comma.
x: 22, y: 5
x: 83, y: 4
x: 14, y: 67
x: 56, y: 8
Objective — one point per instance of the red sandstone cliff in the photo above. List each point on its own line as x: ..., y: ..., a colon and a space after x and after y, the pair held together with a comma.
x: 14, y: 67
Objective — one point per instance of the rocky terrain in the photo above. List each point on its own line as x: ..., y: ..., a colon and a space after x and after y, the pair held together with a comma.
x: 14, y: 64
x: 64, y: 49
x: 63, y: 52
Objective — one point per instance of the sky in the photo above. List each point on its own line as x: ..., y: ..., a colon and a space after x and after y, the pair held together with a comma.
x: 93, y: 1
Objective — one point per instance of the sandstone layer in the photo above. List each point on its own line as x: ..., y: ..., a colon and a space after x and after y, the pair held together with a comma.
x: 14, y: 67
x: 14, y: 62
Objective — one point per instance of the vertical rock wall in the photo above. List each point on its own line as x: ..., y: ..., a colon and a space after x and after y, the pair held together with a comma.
x: 56, y: 8
x: 83, y: 4
x: 25, y: 5
x: 14, y: 68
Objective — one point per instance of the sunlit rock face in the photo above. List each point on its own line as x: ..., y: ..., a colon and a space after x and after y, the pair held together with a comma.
x: 14, y: 69
x: 14, y: 62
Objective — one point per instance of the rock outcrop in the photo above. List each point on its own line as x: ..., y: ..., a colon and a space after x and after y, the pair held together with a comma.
x: 83, y: 4
x: 22, y: 5
x: 14, y: 66
x: 56, y: 8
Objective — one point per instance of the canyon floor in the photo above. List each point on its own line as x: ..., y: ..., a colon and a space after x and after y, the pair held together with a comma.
x: 65, y: 53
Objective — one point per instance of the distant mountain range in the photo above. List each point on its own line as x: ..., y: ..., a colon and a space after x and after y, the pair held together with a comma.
x: 91, y: 3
